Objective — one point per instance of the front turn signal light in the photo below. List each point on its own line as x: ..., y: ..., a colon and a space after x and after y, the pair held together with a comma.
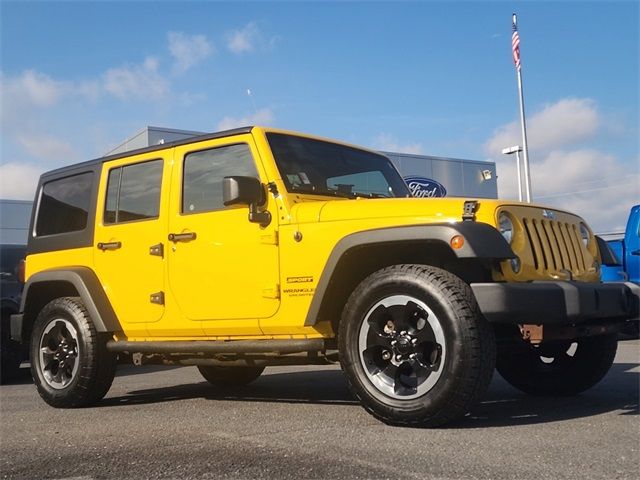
x: 457, y: 242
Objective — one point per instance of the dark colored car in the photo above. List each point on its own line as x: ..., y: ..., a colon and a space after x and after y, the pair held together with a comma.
x: 13, y: 353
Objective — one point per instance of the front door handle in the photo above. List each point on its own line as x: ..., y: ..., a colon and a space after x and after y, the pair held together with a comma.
x: 109, y: 245
x: 635, y: 252
x: 182, y: 237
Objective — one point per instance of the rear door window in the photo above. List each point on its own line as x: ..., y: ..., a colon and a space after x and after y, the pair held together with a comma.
x: 133, y: 192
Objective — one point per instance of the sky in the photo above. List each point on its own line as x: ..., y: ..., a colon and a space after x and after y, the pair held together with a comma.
x: 434, y: 78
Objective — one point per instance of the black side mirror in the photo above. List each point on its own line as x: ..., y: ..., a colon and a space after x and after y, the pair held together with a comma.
x: 242, y: 190
x: 246, y: 191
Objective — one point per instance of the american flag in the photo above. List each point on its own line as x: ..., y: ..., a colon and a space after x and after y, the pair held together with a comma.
x: 515, y: 43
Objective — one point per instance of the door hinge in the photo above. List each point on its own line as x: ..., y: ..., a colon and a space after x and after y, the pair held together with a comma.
x: 157, y: 298
x: 157, y: 250
x: 269, y: 238
x: 272, y: 291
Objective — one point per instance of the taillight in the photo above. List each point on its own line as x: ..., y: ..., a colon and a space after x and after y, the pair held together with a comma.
x: 21, y: 270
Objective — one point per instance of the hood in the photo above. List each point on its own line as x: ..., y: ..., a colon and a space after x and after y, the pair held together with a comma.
x: 429, y: 210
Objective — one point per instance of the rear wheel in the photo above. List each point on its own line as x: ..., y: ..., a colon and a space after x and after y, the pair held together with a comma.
x: 558, y: 368
x: 414, y: 347
x: 70, y: 364
x: 230, y: 376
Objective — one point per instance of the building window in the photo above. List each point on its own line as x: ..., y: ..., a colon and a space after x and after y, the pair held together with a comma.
x: 133, y: 192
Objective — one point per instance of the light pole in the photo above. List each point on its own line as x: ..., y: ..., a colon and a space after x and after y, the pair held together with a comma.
x: 509, y: 151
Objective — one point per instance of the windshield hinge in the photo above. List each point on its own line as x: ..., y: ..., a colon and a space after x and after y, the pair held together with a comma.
x: 469, y: 210
x: 273, y: 188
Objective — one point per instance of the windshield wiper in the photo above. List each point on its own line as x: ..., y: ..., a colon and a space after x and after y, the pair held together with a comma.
x: 326, y: 193
x: 337, y: 193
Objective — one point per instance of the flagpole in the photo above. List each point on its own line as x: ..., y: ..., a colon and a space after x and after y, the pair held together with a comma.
x: 525, y: 148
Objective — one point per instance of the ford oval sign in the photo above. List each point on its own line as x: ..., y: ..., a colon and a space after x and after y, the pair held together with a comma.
x: 422, y: 187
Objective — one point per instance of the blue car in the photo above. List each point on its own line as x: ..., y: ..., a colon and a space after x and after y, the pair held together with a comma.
x: 627, y: 251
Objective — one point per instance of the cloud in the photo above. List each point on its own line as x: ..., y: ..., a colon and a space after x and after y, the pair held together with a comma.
x: 244, y: 39
x: 32, y: 91
x: 264, y: 116
x: 565, y: 122
x: 249, y: 39
x: 389, y: 143
x: 188, y: 50
x: 32, y: 87
x: 141, y: 82
x: 18, y: 181
x: 596, y: 185
x: 22, y: 94
x: 47, y: 147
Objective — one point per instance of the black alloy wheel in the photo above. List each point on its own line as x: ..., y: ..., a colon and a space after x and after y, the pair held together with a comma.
x: 70, y: 364
x: 414, y: 347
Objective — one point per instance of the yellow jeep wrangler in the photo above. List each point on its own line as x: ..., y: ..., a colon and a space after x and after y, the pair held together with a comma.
x: 255, y: 247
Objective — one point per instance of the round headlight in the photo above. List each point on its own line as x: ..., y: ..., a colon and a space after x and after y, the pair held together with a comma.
x: 505, y: 225
x: 585, y: 234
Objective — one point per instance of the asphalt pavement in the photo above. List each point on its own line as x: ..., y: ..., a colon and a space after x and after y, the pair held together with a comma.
x: 302, y: 423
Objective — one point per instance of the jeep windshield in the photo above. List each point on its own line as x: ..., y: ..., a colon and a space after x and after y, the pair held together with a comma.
x: 316, y: 167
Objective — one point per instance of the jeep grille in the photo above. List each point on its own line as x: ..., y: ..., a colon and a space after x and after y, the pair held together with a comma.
x: 549, y: 246
x: 556, y: 246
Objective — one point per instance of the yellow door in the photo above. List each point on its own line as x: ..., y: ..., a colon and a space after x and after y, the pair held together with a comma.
x: 130, y: 228
x: 223, y: 269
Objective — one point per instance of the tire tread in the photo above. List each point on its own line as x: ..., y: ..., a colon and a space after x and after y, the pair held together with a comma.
x: 95, y: 374
x: 478, y: 339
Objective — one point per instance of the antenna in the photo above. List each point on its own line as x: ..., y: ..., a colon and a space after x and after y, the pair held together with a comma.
x: 253, y: 103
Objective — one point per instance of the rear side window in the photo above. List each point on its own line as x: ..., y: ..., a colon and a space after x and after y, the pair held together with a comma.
x: 64, y: 205
x: 204, y: 171
x: 133, y: 192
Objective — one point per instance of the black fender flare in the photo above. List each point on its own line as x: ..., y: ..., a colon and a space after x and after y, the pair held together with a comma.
x: 86, y: 283
x: 481, y: 241
x: 9, y: 304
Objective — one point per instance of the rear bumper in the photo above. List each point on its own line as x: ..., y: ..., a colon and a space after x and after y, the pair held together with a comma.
x: 557, y: 303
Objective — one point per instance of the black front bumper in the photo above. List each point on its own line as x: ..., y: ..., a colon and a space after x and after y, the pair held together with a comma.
x: 557, y: 303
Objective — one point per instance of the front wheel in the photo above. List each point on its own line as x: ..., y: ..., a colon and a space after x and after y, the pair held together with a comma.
x: 70, y: 364
x: 414, y: 347
x: 558, y: 368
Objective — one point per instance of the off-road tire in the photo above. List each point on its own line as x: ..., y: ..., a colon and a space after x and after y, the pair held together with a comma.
x: 467, y: 363
x: 521, y: 364
x: 95, y: 365
x: 230, y: 376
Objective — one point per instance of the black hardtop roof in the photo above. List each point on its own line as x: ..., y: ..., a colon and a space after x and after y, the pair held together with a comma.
x: 163, y: 146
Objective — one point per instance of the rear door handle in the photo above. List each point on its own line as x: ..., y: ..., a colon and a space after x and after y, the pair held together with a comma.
x: 635, y: 252
x: 109, y: 245
x: 182, y: 237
